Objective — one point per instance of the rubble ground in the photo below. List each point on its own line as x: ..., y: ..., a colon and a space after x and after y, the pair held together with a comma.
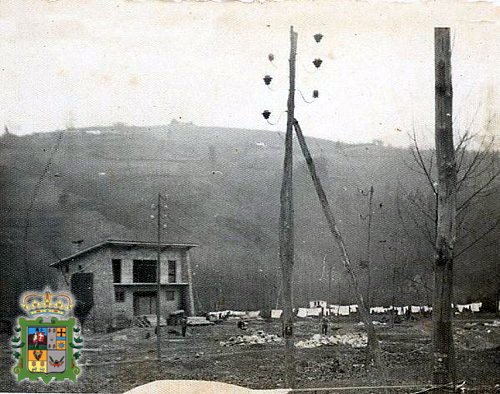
x: 120, y: 361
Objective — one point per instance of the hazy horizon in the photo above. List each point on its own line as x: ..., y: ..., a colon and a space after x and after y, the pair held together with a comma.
x: 70, y: 63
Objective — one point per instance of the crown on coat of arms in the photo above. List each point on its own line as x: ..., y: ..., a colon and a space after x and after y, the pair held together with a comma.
x: 37, y: 304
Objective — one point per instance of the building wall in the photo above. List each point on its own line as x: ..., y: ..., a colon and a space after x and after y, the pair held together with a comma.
x: 126, y: 308
x: 128, y: 255
x: 99, y: 262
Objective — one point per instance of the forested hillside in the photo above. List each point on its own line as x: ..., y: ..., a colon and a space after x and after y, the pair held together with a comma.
x: 222, y: 191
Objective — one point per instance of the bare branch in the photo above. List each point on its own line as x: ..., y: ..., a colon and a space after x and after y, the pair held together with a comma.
x: 477, y: 192
x: 460, y: 158
x: 464, y: 140
x: 400, y: 215
x: 429, y: 237
x: 421, y: 208
x: 475, y: 167
x: 412, y: 167
x: 468, y: 136
x: 422, y: 227
x: 431, y: 161
x: 484, y: 234
x: 416, y: 282
x: 417, y: 155
x: 476, y: 160
x: 461, y: 148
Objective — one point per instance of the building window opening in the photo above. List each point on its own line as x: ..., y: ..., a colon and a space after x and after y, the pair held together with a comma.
x: 172, y: 266
x: 117, y: 270
x: 144, y: 271
x: 170, y: 295
x: 66, y: 268
x: 119, y: 296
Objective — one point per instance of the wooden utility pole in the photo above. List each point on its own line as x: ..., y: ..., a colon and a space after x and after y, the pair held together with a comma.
x: 330, y: 272
x: 373, y: 344
x: 158, y: 281
x: 189, y: 272
x: 286, y: 235
x: 368, y: 248
x: 443, y: 371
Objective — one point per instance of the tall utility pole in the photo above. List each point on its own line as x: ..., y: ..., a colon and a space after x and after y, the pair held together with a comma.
x: 368, y: 249
x: 443, y: 371
x: 158, y: 282
x: 286, y: 236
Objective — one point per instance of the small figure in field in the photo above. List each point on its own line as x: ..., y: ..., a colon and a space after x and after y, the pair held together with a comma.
x: 324, y: 326
x: 184, y: 325
x: 242, y: 325
x: 408, y: 313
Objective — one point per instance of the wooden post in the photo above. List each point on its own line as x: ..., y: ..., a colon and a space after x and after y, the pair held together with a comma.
x: 190, y: 297
x: 158, y: 282
x: 373, y: 344
x: 443, y: 371
x: 286, y: 236
x: 368, y: 249
x: 330, y: 271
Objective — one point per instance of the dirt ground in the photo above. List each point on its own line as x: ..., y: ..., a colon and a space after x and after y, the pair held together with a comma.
x: 120, y: 361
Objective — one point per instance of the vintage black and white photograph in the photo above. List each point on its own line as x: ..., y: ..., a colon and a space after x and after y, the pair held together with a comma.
x: 297, y: 196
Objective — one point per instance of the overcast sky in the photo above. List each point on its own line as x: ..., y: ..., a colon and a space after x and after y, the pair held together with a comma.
x: 146, y: 62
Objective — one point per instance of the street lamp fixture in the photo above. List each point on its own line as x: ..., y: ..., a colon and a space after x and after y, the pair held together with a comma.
x: 318, y: 37
x: 317, y: 62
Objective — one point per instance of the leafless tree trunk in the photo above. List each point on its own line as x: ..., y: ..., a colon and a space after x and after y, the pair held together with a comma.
x: 442, y: 334
x: 476, y: 182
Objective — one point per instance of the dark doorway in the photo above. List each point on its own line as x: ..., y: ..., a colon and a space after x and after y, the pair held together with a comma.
x: 144, y: 303
x: 82, y: 287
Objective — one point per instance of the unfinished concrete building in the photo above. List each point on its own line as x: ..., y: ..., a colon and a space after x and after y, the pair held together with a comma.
x: 117, y: 280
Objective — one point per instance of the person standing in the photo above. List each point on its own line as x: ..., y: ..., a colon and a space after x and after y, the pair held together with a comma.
x: 184, y: 325
x: 324, y: 326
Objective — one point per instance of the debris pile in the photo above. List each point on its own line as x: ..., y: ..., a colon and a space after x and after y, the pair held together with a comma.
x: 259, y: 338
x: 374, y: 322
x: 234, y: 315
x: 477, y: 336
x: 142, y: 321
x: 145, y: 321
x: 355, y: 340
x: 198, y: 321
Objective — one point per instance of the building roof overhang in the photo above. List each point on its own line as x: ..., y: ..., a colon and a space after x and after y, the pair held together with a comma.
x: 122, y: 243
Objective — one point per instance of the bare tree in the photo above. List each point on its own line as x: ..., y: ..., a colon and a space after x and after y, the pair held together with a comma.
x: 477, y: 215
x: 443, y: 353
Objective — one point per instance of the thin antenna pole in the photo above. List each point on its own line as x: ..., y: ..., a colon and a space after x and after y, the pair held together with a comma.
x: 368, y: 249
x: 158, y: 282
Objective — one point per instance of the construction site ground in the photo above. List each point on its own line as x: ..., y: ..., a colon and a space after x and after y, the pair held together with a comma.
x: 122, y: 360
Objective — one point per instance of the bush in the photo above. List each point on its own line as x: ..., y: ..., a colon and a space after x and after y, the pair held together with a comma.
x: 489, y: 305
